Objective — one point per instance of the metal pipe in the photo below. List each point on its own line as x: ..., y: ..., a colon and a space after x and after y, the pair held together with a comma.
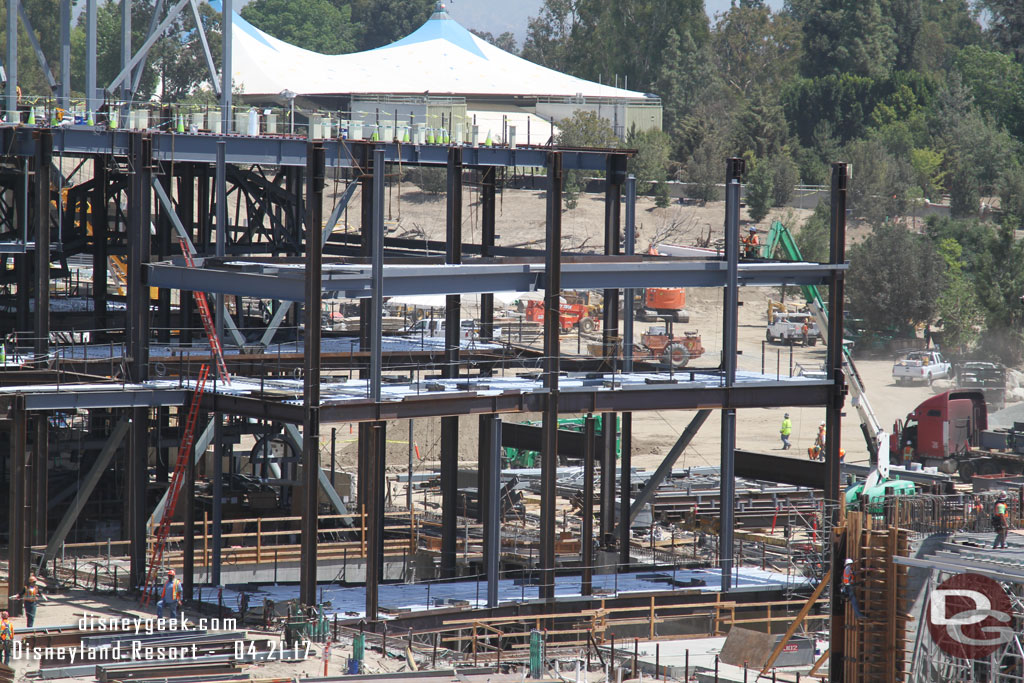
x: 450, y: 425
x: 65, y: 54
x: 377, y: 255
x: 11, y: 63
x: 629, y: 294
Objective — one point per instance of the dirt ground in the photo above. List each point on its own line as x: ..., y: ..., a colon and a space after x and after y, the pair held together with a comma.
x: 520, y: 222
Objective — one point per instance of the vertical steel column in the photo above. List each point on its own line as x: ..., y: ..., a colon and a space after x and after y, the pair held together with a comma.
x: 139, y: 204
x: 492, y: 520
x: 377, y: 295
x: 311, y: 372
x: 363, y: 155
x: 833, y: 414
x: 220, y: 193
x: 627, y: 366
x: 40, y: 214
x: 734, y: 171
x: 90, y: 54
x: 450, y: 425
x: 552, y: 350
x: 98, y: 201
x: 23, y: 262
x: 186, y: 207
x: 126, y: 46
x: 375, y: 518
x: 189, y: 542
x: 65, y: 53
x: 18, y: 541
x: 227, y: 28
x: 487, y: 238
x: 587, y: 532
x: 11, y: 63
x: 163, y: 250
x: 483, y: 468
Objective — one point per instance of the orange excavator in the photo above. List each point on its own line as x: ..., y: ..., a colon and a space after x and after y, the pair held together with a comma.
x: 660, y: 303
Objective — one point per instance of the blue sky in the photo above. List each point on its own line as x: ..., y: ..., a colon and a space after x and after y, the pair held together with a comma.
x: 497, y: 16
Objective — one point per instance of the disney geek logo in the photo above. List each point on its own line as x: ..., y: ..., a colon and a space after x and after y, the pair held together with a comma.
x: 969, y: 616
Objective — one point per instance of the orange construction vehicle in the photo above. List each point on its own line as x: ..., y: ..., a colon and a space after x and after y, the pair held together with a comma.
x: 659, y: 303
x: 570, y: 316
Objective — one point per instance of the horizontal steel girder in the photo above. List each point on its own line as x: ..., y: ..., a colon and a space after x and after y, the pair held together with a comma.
x: 73, y: 397
x: 242, y: 149
x: 287, y: 281
x: 440, y: 404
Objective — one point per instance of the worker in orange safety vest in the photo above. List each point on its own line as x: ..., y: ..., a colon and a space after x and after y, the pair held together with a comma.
x: 170, y: 596
x: 6, y: 639
x: 750, y: 243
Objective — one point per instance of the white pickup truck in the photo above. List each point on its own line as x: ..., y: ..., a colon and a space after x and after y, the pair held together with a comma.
x: 788, y: 328
x: 921, y: 366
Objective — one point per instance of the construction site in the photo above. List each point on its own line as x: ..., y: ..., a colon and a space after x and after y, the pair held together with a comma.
x: 380, y: 428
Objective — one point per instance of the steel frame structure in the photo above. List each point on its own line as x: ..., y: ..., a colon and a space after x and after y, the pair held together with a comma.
x: 285, y: 262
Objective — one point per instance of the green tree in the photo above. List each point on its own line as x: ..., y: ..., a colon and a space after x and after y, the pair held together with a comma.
x: 506, y: 41
x: 549, y: 35
x: 878, y: 188
x: 755, y: 48
x: 907, y: 19
x: 685, y: 73
x: 846, y: 36
x: 761, y: 127
x: 928, y: 174
x: 1006, y: 25
x: 784, y: 179
x: 650, y: 164
x: 705, y: 170
x: 317, y: 25
x: 958, y: 308
x: 760, y: 189
x: 996, y: 83
x: 385, y: 21
x: 1010, y: 187
x: 582, y: 129
x: 893, y: 277
x: 813, y: 236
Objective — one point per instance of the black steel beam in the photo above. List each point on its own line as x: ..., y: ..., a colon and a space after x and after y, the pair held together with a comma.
x: 37, y: 464
x: 487, y: 239
x: 98, y: 217
x: 437, y: 404
x: 280, y: 280
x: 779, y: 469
x: 552, y: 352
x: 531, y: 438
x: 375, y: 517
x: 311, y: 375
x: 490, y: 499
x: 18, y: 537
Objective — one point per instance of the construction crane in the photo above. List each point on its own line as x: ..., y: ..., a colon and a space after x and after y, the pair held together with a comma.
x: 779, y: 237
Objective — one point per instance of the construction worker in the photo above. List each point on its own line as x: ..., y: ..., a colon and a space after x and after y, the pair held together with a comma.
x: 847, y: 588
x: 170, y: 596
x: 6, y: 639
x: 750, y: 243
x: 1001, y: 521
x: 805, y: 331
x: 30, y: 597
x: 785, y: 430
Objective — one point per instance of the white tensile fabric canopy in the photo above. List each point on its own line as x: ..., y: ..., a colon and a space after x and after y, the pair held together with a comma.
x: 440, y: 58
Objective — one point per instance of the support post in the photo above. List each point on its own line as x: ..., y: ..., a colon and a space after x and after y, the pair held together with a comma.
x: 126, y: 48
x: 98, y: 201
x: 625, y: 490
x: 19, y: 513
x: 315, y: 170
x: 377, y: 298
x: 139, y: 205
x: 90, y: 55
x: 587, y: 532
x: 375, y: 518
x: 220, y: 192
x: 450, y: 425
x: 11, y: 63
x: 492, y: 519
x: 41, y: 217
x: 834, y: 411
x: 552, y: 350
x: 226, y: 68
x: 189, y: 549
x: 487, y: 239
x: 734, y: 171
x: 65, y: 53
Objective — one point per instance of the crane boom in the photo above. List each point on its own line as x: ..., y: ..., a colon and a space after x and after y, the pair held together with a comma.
x: 780, y: 237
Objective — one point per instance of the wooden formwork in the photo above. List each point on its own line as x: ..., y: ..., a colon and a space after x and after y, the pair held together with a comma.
x: 873, y: 645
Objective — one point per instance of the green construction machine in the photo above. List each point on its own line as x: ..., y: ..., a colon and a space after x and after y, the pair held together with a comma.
x: 516, y: 458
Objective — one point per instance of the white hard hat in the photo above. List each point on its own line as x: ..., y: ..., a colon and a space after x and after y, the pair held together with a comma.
x: 822, y: 423
x: 849, y: 561
x: 752, y: 229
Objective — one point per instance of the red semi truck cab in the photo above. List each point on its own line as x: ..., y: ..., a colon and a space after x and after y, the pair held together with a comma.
x: 941, y: 427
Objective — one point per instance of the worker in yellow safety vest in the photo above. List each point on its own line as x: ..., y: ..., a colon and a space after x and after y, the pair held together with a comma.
x: 6, y: 639
x: 30, y: 597
x: 170, y: 596
x: 1001, y: 521
x: 785, y: 430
